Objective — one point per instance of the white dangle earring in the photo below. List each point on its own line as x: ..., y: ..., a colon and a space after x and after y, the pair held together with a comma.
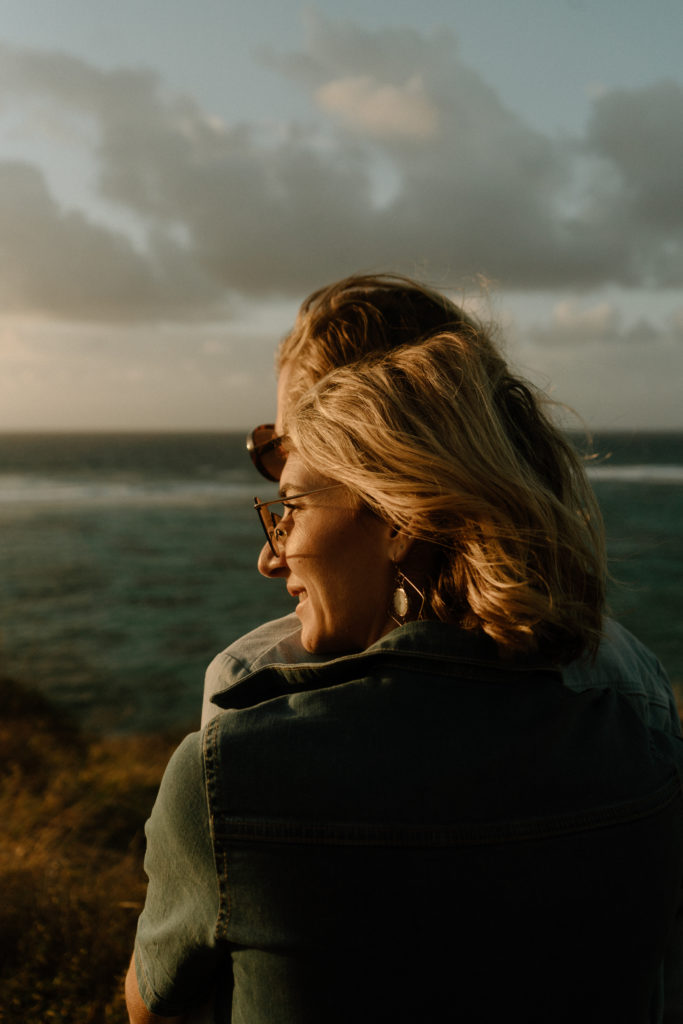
x: 399, y: 599
x: 400, y: 603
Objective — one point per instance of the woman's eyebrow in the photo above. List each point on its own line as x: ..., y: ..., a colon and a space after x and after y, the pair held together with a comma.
x: 291, y: 489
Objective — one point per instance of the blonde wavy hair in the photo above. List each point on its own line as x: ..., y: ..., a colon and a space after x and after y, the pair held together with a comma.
x: 359, y: 315
x: 444, y: 442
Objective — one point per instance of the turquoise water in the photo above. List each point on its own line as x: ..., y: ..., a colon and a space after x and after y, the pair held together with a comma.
x: 128, y: 561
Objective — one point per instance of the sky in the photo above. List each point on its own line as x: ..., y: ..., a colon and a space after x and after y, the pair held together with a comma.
x: 175, y: 178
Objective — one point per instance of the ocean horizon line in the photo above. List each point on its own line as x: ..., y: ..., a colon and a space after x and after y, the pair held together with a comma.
x: 590, y: 431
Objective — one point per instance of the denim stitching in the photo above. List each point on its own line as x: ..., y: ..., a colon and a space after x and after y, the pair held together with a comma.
x: 235, y: 829
x: 213, y: 786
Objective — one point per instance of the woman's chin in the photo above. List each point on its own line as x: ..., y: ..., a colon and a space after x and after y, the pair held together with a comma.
x: 310, y: 646
x: 332, y: 646
x: 309, y: 640
x: 312, y: 642
x: 316, y: 639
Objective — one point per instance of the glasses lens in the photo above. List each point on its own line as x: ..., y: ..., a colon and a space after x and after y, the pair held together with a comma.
x: 266, y: 451
x: 272, y: 460
x: 270, y: 521
x: 260, y: 435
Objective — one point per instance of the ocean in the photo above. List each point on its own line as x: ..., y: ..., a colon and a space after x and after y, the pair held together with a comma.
x: 128, y: 560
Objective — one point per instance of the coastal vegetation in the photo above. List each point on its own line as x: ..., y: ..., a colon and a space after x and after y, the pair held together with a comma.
x: 73, y: 809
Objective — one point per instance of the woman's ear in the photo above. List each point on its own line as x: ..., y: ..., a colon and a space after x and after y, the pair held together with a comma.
x: 399, y: 544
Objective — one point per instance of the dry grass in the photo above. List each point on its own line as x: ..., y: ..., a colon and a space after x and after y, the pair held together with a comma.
x: 71, y: 849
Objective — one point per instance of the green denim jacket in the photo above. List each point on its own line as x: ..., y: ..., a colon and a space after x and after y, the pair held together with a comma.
x: 422, y: 831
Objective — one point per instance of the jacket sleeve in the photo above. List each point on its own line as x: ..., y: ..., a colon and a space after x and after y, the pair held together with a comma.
x: 673, y: 972
x: 175, y: 948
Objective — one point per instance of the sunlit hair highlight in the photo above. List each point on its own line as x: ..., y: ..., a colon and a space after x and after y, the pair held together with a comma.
x: 443, y: 441
x: 358, y: 316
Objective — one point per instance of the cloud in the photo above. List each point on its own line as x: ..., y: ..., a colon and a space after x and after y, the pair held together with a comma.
x: 616, y: 374
x: 380, y: 109
x: 57, y: 262
x: 570, y: 320
x: 640, y: 134
x: 486, y: 193
x: 636, y: 194
x: 677, y: 324
x: 222, y: 208
x: 228, y: 209
x: 119, y: 376
x: 575, y: 326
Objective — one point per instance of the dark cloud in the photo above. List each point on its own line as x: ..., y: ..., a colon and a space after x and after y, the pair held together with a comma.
x: 58, y: 262
x: 638, y: 192
x: 227, y: 208
x: 576, y: 328
x: 488, y: 194
x: 640, y: 134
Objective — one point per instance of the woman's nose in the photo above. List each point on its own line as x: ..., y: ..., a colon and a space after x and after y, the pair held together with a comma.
x: 271, y: 565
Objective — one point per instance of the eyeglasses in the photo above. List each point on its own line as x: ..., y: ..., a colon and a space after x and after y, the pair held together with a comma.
x: 270, y: 521
x: 266, y: 451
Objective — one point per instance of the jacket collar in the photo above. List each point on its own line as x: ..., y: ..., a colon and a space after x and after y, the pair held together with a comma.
x: 426, y: 647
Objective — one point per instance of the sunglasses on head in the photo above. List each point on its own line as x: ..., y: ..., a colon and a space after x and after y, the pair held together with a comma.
x: 266, y: 451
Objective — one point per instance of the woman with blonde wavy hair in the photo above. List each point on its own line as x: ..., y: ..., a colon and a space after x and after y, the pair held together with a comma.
x: 441, y: 441
x: 417, y: 820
